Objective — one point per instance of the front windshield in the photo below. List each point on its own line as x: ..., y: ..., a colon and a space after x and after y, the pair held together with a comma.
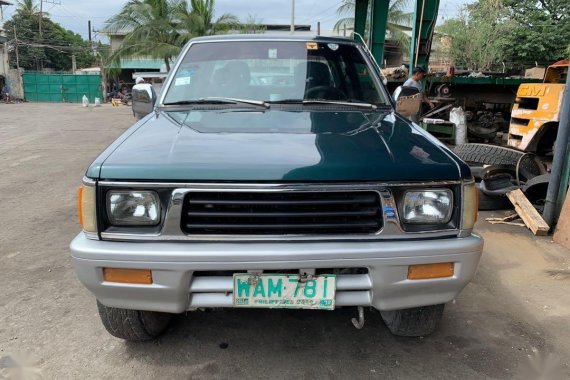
x: 274, y: 71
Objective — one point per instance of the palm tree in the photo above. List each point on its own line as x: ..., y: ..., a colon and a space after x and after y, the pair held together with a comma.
x: 151, y: 28
x: 159, y: 28
x: 201, y: 21
x: 396, y: 17
x: 28, y: 7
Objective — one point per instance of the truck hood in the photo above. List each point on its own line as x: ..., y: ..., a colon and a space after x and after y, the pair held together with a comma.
x: 277, y: 145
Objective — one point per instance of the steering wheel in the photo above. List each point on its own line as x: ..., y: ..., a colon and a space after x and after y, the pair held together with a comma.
x: 324, y: 92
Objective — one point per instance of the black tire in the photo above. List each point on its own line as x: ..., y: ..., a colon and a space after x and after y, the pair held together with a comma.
x: 490, y: 203
x: 133, y: 325
x: 535, y: 189
x: 498, y: 155
x: 417, y: 321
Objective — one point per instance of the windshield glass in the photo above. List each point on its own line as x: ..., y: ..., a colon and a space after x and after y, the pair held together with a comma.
x: 274, y: 71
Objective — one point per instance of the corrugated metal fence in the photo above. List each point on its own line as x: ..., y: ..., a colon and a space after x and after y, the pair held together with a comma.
x: 61, y: 87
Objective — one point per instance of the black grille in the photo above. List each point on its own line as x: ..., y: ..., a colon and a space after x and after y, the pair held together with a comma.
x: 281, y: 213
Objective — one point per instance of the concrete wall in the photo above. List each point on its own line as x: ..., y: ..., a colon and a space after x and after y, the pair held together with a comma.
x: 14, y: 78
x: 116, y: 41
x: 4, y: 59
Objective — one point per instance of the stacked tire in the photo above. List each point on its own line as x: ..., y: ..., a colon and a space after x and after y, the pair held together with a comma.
x: 498, y: 170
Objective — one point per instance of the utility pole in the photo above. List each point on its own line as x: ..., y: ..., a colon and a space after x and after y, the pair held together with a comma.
x: 89, y: 29
x: 292, y: 16
x: 17, y: 53
x: 42, y: 11
x: 90, y: 37
x: 318, y: 28
x: 73, y: 64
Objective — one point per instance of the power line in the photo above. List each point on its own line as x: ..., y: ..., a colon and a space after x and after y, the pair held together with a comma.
x: 42, y: 10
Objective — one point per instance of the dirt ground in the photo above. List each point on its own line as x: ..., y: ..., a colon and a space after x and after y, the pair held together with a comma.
x: 512, y: 321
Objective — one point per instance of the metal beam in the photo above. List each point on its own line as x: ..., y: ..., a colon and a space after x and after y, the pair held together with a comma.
x: 361, y: 14
x: 379, y: 22
x: 425, y: 18
x: 558, y: 182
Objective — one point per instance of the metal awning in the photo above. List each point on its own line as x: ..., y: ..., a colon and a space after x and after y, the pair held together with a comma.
x: 149, y: 75
x: 141, y: 64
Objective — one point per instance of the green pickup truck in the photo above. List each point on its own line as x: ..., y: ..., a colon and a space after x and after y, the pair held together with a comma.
x: 305, y: 191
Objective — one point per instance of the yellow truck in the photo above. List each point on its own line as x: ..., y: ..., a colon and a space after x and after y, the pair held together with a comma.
x: 536, y: 112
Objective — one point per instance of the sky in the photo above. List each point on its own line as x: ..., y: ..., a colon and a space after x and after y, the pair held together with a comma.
x: 74, y: 14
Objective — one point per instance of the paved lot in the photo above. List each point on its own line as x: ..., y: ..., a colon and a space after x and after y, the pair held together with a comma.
x: 515, y: 315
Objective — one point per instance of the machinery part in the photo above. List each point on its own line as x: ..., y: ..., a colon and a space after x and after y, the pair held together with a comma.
x: 536, y: 188
x: 494, y: 170
x: 498, y: 185
x: 489, y: 203
x: 478, y: 172
x: 133, y: 325
x: 443, y: 90
x: 417, y: 321
x: 482, y: 132
x: 359, y: 323
x: 498, y: 155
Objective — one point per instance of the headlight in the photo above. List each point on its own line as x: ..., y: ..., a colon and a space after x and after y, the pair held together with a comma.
x: 427, y: 206
x: 133, y: 208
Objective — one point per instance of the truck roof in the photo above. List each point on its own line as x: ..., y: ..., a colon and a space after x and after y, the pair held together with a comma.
x: 273, y: 37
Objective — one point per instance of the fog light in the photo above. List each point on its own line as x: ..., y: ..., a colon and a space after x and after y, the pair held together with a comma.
x: 128, y: 276
x: 426, y: 271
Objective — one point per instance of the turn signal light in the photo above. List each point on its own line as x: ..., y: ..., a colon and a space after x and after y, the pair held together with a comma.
x: 426, y: 271
x: 128, y: 276
x: 80, y: 205
x: 86, y: 208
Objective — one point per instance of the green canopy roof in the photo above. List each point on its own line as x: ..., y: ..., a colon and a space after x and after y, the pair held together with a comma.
x: 141, y: 64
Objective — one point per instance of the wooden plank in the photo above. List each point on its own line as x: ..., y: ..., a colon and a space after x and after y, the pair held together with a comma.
x: 528, y: 213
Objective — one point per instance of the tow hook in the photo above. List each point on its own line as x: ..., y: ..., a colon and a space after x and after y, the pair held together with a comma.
x: 359, y: 323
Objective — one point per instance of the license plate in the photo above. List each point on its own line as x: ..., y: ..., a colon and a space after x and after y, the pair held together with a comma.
x: 284, y: 291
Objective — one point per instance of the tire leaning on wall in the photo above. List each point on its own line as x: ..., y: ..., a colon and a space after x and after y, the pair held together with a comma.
x: 485, y: 154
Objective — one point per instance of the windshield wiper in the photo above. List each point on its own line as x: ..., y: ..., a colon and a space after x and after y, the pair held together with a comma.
x: 324, y: 101
x: 219, y: 100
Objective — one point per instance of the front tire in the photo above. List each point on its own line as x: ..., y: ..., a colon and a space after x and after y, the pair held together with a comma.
x: 133, y: 325
x: 417, y: 321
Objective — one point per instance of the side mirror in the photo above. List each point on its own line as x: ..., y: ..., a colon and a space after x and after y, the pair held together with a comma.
x: 408, y: 100
x: 143, y: 101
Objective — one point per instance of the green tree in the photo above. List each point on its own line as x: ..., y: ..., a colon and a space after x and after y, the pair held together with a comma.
x: 53, y: 50
x: 539, y: 30
x: 477, y: 35
x: 159, y: 28
x: 152, y: 29
x: 28, y: 7
x: 252, y: 26
x: 397, y: 17
x: 201, y: 20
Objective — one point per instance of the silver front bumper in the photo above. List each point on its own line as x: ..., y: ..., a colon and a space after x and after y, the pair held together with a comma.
x: 177, y: 285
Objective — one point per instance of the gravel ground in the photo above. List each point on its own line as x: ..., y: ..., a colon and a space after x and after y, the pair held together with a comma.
x: 510, y: 322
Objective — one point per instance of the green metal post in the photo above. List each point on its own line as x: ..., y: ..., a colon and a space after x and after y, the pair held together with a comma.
x: 378, y: 28
x: 425, y: 18
x: 361, y: 14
